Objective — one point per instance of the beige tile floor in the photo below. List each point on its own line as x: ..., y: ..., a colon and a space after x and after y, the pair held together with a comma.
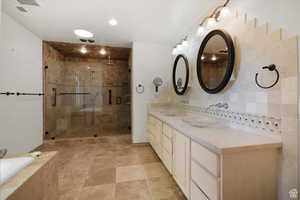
x: 111, y: 168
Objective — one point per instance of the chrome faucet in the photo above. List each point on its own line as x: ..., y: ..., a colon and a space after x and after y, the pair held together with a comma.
x: 218, y: 105
x: 3, y: 152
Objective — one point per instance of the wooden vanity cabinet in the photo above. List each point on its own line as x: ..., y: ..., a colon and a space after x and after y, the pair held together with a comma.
x: 173, y: 148
x: 246, y: 175
x: 155, y: 131
x: 202, y: 174
x: 167, y: 147
x: 181, y: 161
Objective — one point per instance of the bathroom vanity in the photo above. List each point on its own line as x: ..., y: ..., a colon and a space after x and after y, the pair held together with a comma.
x: 215, y: 161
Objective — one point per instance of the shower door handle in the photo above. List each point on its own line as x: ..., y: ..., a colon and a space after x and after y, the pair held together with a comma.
x: 54, y: 91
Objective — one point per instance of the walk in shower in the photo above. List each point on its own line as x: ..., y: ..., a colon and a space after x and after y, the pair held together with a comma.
x: 85, y: 97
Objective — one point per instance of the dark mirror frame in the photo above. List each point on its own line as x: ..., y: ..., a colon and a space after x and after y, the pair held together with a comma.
x: 187, y: 74
x: 231, y: 58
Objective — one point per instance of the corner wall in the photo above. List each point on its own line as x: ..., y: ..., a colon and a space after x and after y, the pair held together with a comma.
x: 148, y: 61
x: 20, y: 71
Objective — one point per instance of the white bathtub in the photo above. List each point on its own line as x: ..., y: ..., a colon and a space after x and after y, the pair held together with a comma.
x: 9, y: 167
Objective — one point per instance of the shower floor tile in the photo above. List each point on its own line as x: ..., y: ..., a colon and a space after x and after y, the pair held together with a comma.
x: 111, y: 168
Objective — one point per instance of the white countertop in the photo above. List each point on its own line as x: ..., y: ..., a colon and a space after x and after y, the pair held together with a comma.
x: 220, y: 138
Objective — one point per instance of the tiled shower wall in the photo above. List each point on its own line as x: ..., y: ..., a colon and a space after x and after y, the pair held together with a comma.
x: 256, y: 47
x: 94, y: 113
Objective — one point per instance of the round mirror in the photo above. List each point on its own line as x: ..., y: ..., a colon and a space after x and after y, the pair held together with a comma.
x: 180, y: 74
x: 215, y: 61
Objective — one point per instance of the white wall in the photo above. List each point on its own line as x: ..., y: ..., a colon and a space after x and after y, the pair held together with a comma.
x: 148, y: 61
x: 20, y: 70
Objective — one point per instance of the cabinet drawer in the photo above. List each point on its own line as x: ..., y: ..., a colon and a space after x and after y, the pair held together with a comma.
x: 167, y: 144
x: 167, y: 160
x: 196, y: 193
x: 206, y: 181
x: 206, y: 158
x: 168, y: 131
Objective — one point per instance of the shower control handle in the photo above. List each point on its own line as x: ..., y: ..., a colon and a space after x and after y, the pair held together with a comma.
x: 55, y: 94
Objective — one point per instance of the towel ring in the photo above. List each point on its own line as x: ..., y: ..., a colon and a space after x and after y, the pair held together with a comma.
x: 140, y: 89
x: 271, y: 67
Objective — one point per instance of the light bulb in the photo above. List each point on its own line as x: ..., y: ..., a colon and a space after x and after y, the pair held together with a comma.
x: 185, y: 42
x: 83, y: 33
x: 83, y: 50
x: 179, y: 47
x: 211, y: 22
x: 202, y: 57
x: 225, y: 12
x: 200, y: 30
x: 174, y: 51
x: 214, y: 58
x: 102, y: 51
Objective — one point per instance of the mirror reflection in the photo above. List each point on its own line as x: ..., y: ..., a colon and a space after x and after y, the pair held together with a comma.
x: 180, y: 74
x: 214, y: 62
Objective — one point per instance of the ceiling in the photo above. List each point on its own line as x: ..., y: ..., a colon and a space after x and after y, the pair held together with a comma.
x: 73, y: 50
x: 158, y: 21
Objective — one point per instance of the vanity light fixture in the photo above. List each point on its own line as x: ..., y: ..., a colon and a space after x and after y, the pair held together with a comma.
x: 83, y: 50
x: 113, y: 22
x: 83, y: 33
x: 179, y: 46
x: 102, y: 51
x: 210, y: 21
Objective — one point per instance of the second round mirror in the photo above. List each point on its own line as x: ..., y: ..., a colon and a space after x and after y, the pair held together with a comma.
x: 180, y: 74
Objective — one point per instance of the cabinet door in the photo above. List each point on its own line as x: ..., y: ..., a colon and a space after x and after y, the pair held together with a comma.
x: 181, y: 161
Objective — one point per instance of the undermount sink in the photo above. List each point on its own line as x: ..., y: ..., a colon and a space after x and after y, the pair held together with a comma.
x: 200, y: 122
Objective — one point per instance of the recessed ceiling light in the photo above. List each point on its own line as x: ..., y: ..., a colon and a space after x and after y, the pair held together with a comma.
x: 113, y: 22
x: 83, y: 50
x: 83, y: 33
x: 102, y: 51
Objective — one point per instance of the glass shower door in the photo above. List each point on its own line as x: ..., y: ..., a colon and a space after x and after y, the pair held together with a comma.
x: 71, y: 103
